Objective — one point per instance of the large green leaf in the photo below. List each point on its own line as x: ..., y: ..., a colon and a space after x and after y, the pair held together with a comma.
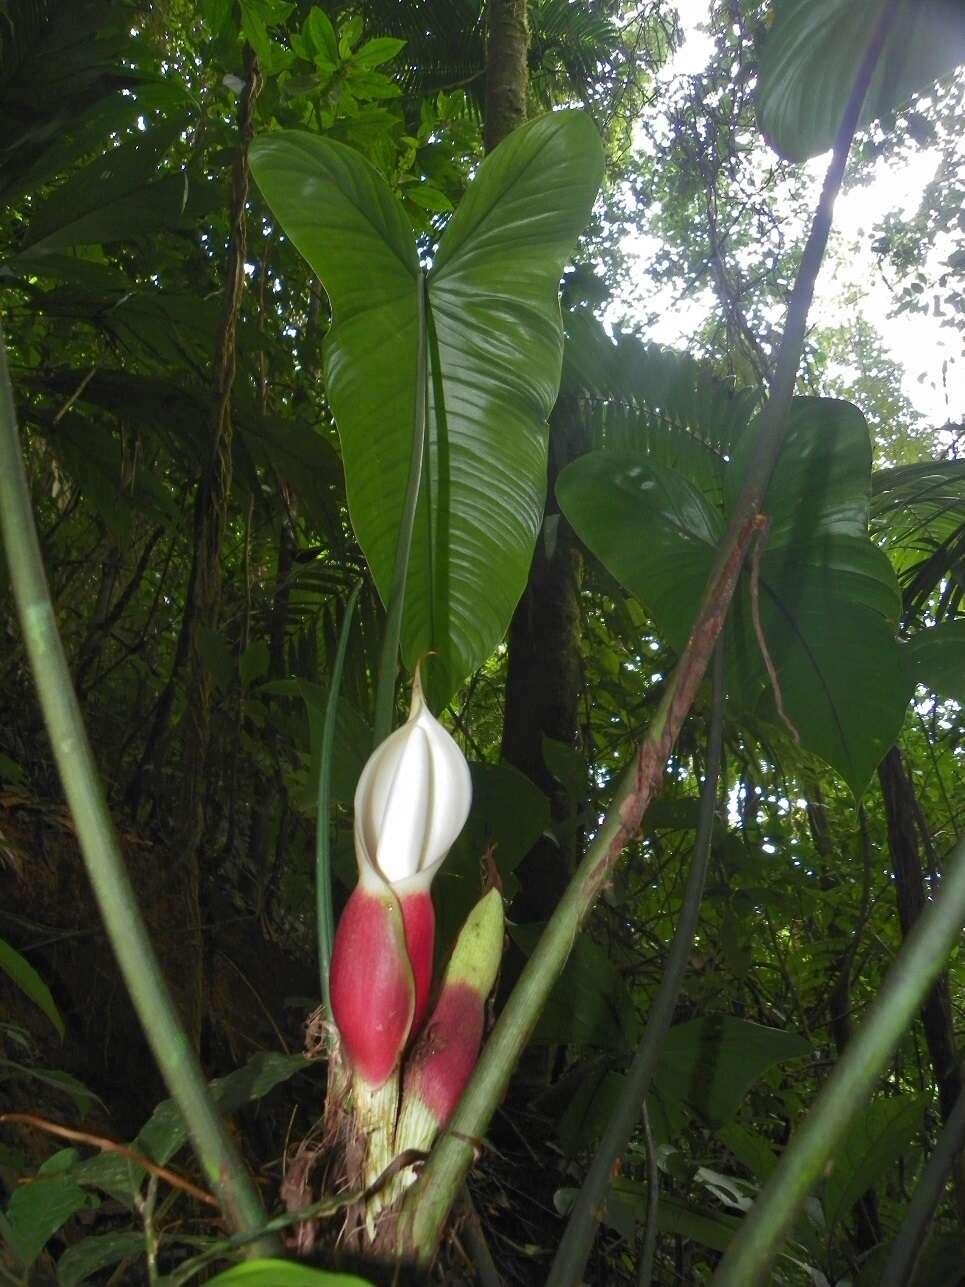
x: 827, y: 596
x: 812, y: 53
x: 649, y: 526
x: 495, y: 355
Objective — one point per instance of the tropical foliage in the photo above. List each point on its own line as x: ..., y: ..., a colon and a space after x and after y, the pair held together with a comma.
x: 315, y: 391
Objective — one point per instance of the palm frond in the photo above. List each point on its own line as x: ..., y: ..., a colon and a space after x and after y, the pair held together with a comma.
x: 655, y: 401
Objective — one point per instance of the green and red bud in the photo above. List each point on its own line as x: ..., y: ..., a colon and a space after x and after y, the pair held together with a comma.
x: 445, y: 1055
x: 411, y: 802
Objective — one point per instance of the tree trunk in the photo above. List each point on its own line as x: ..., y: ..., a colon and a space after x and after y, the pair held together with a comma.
x: 507, y: 43
x: 544, y: 665
x: 544, y: 673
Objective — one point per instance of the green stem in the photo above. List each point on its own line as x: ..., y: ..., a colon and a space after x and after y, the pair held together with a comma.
x: 928, y: 1193
x: 648, y: 1251
x: 221, y: 1163
x: 429, y: 1200
x: 577, y: 1241
x: 323, y: 826
x: 849, y: 1088
x: 388, y: 662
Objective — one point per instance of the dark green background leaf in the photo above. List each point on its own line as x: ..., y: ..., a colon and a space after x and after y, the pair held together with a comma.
x: 711, y: 1063
x: 935, y: 657
x: 828, y: 598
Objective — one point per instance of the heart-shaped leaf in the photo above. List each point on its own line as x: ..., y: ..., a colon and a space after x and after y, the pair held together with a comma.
x: 826, y: 596
x: 495, y: 345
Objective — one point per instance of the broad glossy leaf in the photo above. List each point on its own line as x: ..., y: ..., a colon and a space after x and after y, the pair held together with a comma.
x: 649, y: 526
x: 812, y: 53
x: 495, y: 352
x: 936, y: 658
x: 827, y: 597
x: 711, y: 1063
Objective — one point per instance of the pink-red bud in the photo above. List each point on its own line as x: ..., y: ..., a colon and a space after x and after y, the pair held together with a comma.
x: 419, y: 918
x: 443, y: 1058
x: 445, y: 1055
x: 373, y: 992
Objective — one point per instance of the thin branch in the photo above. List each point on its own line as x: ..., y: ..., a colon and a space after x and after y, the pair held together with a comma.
x: 574, y: 1249
x: 114, y: 1146
x: 920, y: 1212
x: 649, y: 1249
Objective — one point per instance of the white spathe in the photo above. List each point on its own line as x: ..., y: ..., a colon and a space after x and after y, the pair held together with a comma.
x: 412, y: 800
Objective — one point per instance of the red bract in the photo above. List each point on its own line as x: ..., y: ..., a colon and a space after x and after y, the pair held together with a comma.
x: 419, y: 918
x: 373, y: 993
x: 443, y: 1060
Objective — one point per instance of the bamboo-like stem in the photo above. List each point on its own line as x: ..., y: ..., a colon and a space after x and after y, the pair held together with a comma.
x: 574, y: 1249
x: 221, y: 1163
x: 429, y: 1201
x: 325, y: 917
x: 389, y: 660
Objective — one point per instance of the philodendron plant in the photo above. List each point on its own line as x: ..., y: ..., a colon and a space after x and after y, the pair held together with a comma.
x: 441, y: 380
x: 411, y: 802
